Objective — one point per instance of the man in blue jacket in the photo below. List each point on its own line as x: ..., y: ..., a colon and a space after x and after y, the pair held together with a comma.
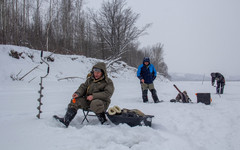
x: 147, y: 73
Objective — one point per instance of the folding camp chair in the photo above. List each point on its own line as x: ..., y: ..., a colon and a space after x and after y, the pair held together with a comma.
x: 86, y: 114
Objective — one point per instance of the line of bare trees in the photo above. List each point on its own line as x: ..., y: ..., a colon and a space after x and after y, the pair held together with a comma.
x: 63, y: 26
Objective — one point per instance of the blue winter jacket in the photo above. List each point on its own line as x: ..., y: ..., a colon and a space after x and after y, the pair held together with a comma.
x: 148, y: 73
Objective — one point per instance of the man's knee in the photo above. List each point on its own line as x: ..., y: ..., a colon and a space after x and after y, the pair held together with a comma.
x: 151, y: 86
x: 73, y: 104
x: 144, y: 86
x: 78, y: 103
x: 97, y: 106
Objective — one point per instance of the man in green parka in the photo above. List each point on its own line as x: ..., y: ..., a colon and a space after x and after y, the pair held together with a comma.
x: 94, y: 94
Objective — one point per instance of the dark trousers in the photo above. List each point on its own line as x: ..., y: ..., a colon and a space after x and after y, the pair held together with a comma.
x: 145, y: 88
x: 220, y: 87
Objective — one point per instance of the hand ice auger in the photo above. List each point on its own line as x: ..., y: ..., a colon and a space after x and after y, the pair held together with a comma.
x: 41, y: 88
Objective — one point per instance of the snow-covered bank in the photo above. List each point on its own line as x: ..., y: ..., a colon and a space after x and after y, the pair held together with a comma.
x: 175, y: 126
x: 63, y: 65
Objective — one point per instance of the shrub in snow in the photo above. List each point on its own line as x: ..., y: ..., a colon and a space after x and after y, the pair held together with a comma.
x: 15, y: 54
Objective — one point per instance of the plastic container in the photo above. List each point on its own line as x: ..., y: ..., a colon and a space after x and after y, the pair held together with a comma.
x: 204, y: 98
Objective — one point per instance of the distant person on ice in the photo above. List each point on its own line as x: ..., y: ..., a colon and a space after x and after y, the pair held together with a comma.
x: 220, y: 82
x: 94, y: 94
x: 147, y: 73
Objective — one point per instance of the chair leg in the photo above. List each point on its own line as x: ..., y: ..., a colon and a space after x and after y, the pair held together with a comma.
x: 85, y: 114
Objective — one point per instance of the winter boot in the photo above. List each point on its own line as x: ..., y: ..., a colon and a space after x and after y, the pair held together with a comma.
x: 154, y: 96
x: 145, y: 96
x: 70, y: 114
x: 173, y: 100
x: 102, y: 117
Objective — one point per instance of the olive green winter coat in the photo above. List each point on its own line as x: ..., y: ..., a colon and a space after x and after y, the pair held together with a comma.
x: 101, y: 89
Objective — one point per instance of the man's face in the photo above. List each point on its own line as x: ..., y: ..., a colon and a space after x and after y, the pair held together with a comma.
x: 146, y: 63
x: 97, y: 73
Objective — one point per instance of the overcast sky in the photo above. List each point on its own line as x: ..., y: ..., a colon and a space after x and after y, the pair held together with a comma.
x: 199, y: 36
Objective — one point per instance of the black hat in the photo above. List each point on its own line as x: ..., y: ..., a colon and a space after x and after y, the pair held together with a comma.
x: 146, y: 59
x: 213, y: 74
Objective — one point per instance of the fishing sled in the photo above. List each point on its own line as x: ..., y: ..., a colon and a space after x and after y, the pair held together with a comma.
x: 132, y: 117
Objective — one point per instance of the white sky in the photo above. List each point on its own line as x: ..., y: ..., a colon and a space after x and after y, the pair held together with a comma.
x: 199, y: 36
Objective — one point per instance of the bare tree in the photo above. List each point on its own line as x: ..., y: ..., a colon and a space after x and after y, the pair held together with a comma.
x: 116, y: 25
x: 66, y: 23
x: 79, y: 27
x: 49, y: 23
x: 2, y: 21
x: 16, y: 20
x: 37, y: 35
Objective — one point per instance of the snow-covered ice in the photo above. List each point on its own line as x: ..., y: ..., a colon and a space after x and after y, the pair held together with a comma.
x: 175, y: 126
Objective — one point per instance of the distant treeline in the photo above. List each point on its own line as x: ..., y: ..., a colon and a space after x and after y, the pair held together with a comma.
x: 63, y: 26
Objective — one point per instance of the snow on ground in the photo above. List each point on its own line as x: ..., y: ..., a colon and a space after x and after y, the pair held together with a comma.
x: 175, y: 126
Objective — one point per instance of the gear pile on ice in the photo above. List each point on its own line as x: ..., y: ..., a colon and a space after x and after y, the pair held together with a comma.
x: 41, y: 88
x: 181, y: 97
x: 132, y: 117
